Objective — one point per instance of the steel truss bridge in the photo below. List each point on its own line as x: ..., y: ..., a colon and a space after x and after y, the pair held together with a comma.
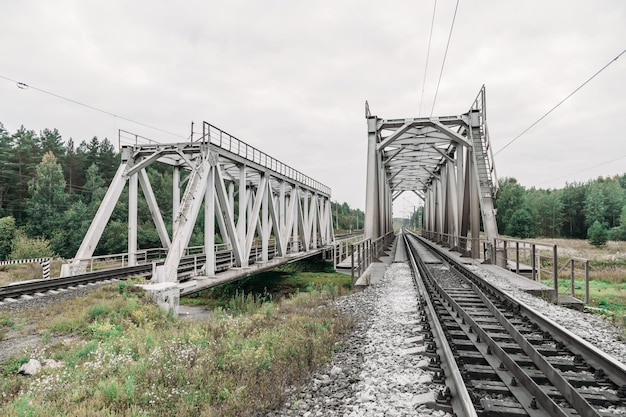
x: 268, y: 213
x: 282, y: 214
x: 447, y: 162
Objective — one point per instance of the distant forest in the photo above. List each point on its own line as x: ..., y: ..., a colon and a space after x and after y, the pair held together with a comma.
x: 594, y: 210
x: 51, y: 188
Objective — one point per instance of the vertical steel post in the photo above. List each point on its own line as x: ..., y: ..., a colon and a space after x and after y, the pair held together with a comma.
x: 265, y: 226
x: 373, y: 189
x: 555, y: 269
x: 241, y: 220
x: 532, y: 261
x: 209, y: 224
x: 360, y: 259
x: 132, y: 219
x: 586, y: 282
x: 175, y: 198
x: 571, y: 264
x: 352, y: 264
x: 517, y: 257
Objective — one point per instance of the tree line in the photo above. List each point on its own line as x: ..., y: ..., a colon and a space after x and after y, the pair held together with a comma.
x: 50, y: 190
x: 594, y: 210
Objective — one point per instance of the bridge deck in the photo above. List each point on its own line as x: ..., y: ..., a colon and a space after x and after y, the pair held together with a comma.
x: 200, y: 283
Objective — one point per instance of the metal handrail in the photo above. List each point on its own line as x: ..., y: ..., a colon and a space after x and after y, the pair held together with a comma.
x: 225, y: 141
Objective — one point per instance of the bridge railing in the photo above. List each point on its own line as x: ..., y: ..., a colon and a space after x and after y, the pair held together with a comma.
x: 476, y: 248
x: 366, y: 251
x: 535, y: 260
x: 577, y: 267
x: 145, y: 256
x: 341, y: 247
x: 231, y: 144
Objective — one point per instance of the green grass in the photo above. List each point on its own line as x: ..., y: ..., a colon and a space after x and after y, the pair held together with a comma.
x: 125, y: 357
x: 608, y: 297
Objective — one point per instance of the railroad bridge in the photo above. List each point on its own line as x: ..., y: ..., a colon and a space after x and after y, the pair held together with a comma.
x: 268, y: 213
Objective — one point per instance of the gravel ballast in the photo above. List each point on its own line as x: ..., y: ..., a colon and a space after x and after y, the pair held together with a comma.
x: 372, y: 375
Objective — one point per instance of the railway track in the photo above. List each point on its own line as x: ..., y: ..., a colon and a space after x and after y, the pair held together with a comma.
x: 188, y: 266
x: 500, y: 358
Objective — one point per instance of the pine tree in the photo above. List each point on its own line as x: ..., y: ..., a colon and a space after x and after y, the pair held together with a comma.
x: 597, y: 234
x: 6, y: 177
x: 48, y: 199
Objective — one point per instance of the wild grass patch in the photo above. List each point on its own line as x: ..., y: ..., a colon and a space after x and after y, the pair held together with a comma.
x: 129, y: 358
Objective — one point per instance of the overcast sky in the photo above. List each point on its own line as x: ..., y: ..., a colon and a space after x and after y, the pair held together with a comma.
x: 291, y: 77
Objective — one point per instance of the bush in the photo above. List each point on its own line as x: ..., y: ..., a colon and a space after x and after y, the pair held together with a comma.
x: 597, y: 234
x: 7, y: 234
x: 520, y: 224
x: 618, y: 233
x: 28, y: 248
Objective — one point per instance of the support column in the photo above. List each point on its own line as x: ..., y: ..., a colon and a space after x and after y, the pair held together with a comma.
x: 297, y: 215
x: 372, y: 208
x: 474, y: 210
x: 175, y: 198
x: 231, y: 195
x: 132, y: 220
x: 209, y: 223
x: 265, y: 226
x: 241, y: 221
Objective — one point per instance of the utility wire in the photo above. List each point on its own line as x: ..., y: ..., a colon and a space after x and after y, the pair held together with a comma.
x: 584, y: 169
x: 430, y: 37
x: 25, y: 86
x: 443, y: 63
x: 559, y: 103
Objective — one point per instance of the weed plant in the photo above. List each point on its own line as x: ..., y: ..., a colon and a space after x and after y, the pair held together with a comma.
x: 124, y: 357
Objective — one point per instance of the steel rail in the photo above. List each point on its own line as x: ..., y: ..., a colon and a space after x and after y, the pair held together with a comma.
x: 188, y: 263
x: 458, y: 385
x: 532, y: 387
x: 19, y: 289
x: 565, y: 388
x: 614, y: 370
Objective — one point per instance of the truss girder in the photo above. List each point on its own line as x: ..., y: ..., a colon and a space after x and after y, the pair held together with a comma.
x: 446, y: 161
x: 255, y: 202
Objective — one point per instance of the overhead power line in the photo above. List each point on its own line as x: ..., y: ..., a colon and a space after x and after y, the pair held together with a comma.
x: 584, y: 169
x: 430, y: 37
x: 443, y: 63
x: 25, y: 86
x: 560, y: 102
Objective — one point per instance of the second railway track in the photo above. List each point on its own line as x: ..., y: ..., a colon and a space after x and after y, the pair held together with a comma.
x: 188, y: 265
x: 501, y: 358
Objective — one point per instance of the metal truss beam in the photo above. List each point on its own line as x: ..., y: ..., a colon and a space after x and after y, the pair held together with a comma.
x: 277, y: 205
x: 446, y: 161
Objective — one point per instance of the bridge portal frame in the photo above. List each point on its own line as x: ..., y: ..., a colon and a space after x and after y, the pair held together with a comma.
x: 277, y: 205
x: 447, y: 162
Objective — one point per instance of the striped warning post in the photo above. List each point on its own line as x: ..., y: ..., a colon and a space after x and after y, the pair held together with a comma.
x: 45, y: 264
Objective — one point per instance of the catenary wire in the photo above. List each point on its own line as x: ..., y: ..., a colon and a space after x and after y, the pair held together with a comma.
x: 584, y: 169
x: 560, y: 102
x: 445, y: 54
x: 22, y: 85
x: 430, y: 37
